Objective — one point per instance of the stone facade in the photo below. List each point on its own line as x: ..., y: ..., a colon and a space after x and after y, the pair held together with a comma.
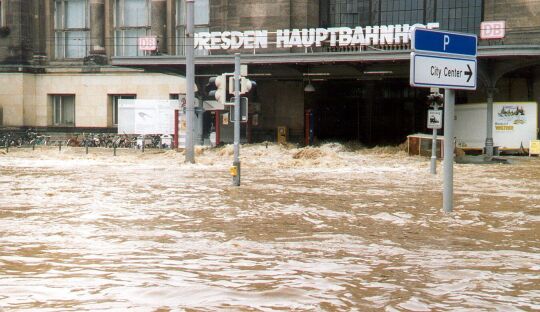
x: 522, y: 19
x: 26, y: 97
x: 27, y: 27
x: 263, y: 14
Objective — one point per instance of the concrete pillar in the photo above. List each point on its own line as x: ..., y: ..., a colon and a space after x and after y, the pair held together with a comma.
x: 159, y: 23
x: 18, y: 41
x: 39, y: 40
x: 97, y: 26
x: 536, y: 91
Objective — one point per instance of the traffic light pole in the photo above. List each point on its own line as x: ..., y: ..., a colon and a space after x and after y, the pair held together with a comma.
x: 433, y: 166
x: 190, y: 82
x: 236, y: 162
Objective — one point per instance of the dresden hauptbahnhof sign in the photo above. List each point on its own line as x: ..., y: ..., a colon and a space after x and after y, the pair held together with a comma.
x: 309, y: 37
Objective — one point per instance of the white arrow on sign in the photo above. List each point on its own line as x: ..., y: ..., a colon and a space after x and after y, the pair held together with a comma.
x: 443, y: 72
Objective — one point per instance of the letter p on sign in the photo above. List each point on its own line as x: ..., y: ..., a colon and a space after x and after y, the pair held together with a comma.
x: 492, y: 30
x: 446, y: 41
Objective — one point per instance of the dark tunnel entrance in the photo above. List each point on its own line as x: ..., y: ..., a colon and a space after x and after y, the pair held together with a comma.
x: 371, y: 112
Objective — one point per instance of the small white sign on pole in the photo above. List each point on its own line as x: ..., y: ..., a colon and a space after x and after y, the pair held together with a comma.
x: 435, y: 119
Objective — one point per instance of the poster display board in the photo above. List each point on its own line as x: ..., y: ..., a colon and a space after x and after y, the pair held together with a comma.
x: 147, y: 116
x: 514, y: 124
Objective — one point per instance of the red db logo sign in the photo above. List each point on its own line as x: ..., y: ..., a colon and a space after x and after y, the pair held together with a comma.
x: 492, y: 30
x: 147, y: 43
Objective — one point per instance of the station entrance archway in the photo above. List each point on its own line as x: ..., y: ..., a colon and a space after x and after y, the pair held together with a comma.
x: 371, y: 112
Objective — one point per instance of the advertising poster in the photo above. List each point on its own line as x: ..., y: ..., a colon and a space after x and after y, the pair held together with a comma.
x: 510, y: 117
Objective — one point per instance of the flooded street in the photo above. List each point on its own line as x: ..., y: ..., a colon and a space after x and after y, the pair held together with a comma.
x: 315, y: 229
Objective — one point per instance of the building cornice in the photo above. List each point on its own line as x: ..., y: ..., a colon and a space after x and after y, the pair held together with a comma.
x: 319, y: 57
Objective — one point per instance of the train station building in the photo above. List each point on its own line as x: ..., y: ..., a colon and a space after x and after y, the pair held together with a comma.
x: 339, y: 68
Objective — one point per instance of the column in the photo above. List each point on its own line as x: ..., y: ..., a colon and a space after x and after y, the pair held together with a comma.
x: 159, y: 23
x: 39, y: 32
x: 97, y: 24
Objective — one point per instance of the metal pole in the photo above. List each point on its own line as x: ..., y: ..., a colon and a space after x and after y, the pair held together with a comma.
x: 190, y: 81
x: 489, y: 122
x: 114, y: 148
x: 143, y: 142
x: 448, y: 181
x: 236, y: 163
x: 434, y: 146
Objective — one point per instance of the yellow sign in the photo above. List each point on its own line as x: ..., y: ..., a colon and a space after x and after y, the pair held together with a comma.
x: 534, y: 147
x: 504, y: 128
x: 234, y: 171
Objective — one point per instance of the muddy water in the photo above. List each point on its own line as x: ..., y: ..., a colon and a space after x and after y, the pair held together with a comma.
x: 316, y: 229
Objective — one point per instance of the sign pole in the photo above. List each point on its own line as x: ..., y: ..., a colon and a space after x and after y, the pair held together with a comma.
x: 448, y: 179
x: 434, y: 146
x: 236, y: 163
x: 489, y: 123
x: 190, y: 81
x: 442, y: 59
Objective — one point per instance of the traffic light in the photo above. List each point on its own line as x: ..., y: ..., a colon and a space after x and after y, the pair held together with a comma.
x: 218, y: 88
x: 246, y: 85
x: 222, y: 87
x: 436, y: 98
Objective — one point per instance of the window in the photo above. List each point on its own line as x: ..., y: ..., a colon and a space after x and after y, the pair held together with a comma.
x: 202, y: 21
x: 71, y: 28
x: 63, y: 110
x: 131, y: 21
x: 396, y: 12
x: 349, y: 13
x: 114, y: 101
x: 460, y: 15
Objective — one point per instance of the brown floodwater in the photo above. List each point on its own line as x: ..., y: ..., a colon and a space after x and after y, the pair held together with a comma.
x: 316, y: 229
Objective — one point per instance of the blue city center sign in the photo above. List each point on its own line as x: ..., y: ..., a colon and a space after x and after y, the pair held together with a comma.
x: 449, y: 43
x: 443, y: 59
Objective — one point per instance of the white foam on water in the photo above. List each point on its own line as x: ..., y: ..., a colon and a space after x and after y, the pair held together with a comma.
x: 310, y: 229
